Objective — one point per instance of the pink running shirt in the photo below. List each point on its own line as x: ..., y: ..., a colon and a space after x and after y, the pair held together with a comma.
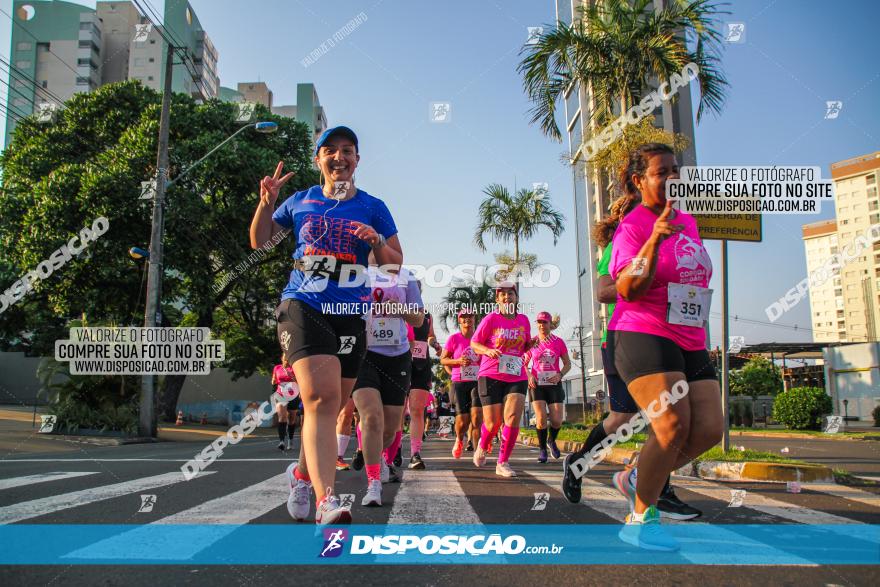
x: 510, y: 336
x: 287, y: 386
x: 458, y: 346
x: 681, y: 259
x: 545, y: 356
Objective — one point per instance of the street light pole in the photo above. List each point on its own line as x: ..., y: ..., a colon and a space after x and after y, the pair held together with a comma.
x: 152, y: 313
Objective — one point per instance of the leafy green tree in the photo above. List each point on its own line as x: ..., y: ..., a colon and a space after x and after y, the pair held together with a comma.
x: 758, y: 376
x: 616, y: 47
x: 516, y: 217
x: 58, y: 177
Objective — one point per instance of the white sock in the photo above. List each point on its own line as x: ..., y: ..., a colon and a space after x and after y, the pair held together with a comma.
x: 342, y: 444
x: 634, y: 517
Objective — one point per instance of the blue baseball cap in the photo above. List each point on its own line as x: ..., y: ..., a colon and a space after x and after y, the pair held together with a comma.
x: 336, y: 130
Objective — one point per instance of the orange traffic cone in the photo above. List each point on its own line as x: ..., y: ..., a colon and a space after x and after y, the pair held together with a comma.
x: 179, y: 418
x: 204, y: 419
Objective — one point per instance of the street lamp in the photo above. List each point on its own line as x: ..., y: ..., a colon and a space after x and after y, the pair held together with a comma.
x: 152, y: 313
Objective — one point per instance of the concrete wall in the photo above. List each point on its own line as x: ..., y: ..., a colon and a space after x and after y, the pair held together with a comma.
x: 219, y: 398
x: 18, y: 379
x: 852, y: 373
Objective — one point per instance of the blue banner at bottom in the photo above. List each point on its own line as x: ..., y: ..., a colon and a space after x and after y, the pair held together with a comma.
x: 264, y: 544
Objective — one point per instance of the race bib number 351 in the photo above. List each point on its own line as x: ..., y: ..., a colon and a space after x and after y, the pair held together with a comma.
x: 688, y: 304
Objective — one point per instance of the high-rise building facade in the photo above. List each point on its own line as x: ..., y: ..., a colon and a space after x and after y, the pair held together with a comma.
x: 858, y: 231
x: 61, y: 48
x: 827, y: 314
x: 592, y: 197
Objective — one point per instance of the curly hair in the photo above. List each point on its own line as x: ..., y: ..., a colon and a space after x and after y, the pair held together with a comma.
x: 636, y: 164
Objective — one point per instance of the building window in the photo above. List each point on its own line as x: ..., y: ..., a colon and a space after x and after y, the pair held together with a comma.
x: 23, y: 64
x: 151, y: 60
x: 149, y: 78
x: 20, y: 102
x: 82, y: 81
x: 24, y: 46
x: 844, y: 221
x: 875, y: 218
x: 873, y: 205
x: 871, y: 179
x: 152, y: 41
x: 138, y: 61
x: 45, y: 83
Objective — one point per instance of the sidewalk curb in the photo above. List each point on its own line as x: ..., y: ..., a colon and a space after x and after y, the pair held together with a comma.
x: 721, y: 470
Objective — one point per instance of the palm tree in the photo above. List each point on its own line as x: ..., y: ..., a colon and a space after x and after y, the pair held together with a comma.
x: 616, y: 48
x: 470, y: 294
x: 515, y: 218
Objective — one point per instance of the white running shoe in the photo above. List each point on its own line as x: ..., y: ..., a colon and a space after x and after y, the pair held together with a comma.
x: 504, y: 470
x: 479, y: 457
x: 384, y: 472
x: 373, y: 498
x: 299, y: 501
x: 330, y: 512
x: 288, y: 444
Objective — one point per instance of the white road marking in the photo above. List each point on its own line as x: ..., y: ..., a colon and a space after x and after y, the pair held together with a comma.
x: 47, y: 505
x: 432, y: 497
x: 725, y: 548
x: 42, y: 478
x: 850, y: 493
x: 767, y: 505
x: 211, y: 521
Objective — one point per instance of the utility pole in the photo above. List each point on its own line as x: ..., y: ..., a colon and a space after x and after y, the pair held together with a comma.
x: 725, y: 351
x: 580, y: 335
x: 153, y: 312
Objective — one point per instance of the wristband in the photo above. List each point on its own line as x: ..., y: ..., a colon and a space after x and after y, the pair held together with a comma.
x: 379, y: 243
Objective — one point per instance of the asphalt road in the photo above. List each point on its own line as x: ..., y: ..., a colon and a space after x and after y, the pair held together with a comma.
x: 245, y: 485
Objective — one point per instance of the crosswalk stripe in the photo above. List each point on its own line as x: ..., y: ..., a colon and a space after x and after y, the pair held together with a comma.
x: 842, y: 491
x: 758, y: 502
x: 42, y: 478
x: 726, y: 550
x: 432, y: 497
x: 212, y: 521
x: 47, y: 505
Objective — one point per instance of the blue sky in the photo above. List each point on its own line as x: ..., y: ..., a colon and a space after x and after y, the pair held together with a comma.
x: 382, y: 78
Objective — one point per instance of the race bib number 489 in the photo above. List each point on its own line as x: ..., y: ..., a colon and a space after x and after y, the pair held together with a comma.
x: 384, y: 331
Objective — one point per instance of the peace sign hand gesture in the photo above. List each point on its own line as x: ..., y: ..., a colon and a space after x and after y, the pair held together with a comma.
x: 270, y: 186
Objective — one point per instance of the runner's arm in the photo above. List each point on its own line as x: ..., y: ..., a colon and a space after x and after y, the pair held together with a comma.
x: 632, y: 287
x: 566, y: 365
x: 447, y: 361
x: 263, y: 228
x: 606, y: 293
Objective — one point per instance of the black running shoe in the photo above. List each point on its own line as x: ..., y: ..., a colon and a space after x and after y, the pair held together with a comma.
x: 470, y: 446
x: 394, y: 475
x: 571, y: 485
x: 357, y: 462
x: 673, y: 508
x: 416, y: 462
x: 398, y: 459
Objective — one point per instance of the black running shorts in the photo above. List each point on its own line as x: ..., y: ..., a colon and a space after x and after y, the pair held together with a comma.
x: 493, y: 391
x: 466, y: 397
x: 303, y: 331
x: 390, y: 375
x: 421, y: 376
x: 621, y: 401
x: 552, y: 394
x: 636, y: 354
